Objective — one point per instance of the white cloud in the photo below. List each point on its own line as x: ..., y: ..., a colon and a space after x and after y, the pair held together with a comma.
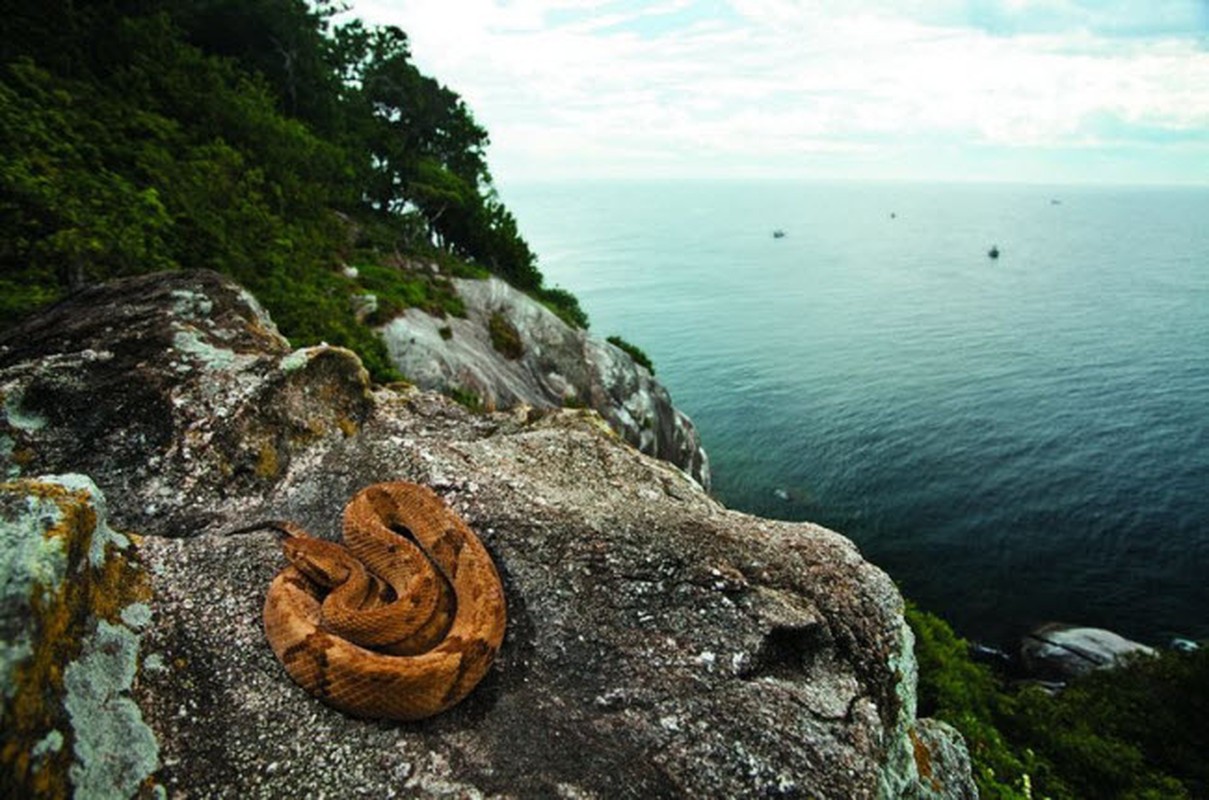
x: 600, y: 87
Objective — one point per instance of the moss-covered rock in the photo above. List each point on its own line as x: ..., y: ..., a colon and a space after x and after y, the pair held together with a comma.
x: 73, y: 601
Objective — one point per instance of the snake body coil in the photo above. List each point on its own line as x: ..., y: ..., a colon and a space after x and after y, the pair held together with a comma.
x: 401, y: 621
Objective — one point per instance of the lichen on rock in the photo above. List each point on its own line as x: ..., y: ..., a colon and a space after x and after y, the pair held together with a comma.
x: 71, y: 590
x: 115, y: 750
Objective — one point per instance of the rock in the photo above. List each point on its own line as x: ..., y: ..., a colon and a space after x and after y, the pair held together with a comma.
x: 658, y: 644
x: 175, y: 390
x: 73, y: 605
x: 554, y: 366
x: 1060, y: 652
x: 943, y: 761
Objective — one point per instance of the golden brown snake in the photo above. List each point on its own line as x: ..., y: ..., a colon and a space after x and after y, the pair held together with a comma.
x: 400, y: 621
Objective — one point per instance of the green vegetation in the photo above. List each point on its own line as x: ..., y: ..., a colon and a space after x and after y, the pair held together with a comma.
x: 505, y: 338
x: 466, y: 398
x: 1140, y: 731
x: 564, y: 304
x: 254, y: 137
x: 636, y: 353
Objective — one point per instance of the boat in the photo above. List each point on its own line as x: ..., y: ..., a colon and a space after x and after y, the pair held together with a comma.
x: 994, y: 251
x: 778, y: 234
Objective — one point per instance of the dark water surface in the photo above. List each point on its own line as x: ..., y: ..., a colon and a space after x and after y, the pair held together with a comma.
x: 1013, y: 440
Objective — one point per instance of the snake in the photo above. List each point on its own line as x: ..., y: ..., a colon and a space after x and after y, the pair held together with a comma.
x: 400, y: 620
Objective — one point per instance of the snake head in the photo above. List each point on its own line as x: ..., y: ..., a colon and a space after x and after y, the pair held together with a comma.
x: 325, y: 563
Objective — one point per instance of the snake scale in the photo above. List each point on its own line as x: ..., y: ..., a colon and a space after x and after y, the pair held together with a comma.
x: 401, y: 620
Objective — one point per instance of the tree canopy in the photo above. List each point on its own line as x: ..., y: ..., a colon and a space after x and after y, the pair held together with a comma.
x: 255, y: 137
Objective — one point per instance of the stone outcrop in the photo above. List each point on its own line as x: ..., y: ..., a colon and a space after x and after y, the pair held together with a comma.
x: 658, y: 644
x: 1058, y: 652
x: 510, y: 350
x: 73, y: 605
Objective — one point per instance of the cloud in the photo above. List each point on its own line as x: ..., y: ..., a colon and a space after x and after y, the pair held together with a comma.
x: 620, y: 87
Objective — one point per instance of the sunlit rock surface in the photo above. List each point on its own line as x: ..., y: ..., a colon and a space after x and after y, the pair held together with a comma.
x: 556, y: 366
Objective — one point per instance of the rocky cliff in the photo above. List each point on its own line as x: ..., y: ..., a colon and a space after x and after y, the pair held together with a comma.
x: 658, y: 644
x: 509, y: 350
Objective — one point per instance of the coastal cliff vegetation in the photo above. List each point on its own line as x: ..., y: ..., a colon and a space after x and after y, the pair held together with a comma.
x: 1139, y: 731
x: 309, y: 159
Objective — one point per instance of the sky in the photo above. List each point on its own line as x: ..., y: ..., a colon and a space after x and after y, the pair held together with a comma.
x: 1042, y: 91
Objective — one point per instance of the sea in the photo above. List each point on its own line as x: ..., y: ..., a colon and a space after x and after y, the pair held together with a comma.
x: 1014, y: 440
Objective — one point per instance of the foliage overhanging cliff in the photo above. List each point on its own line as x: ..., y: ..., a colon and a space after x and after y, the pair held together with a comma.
x: 255, y: 137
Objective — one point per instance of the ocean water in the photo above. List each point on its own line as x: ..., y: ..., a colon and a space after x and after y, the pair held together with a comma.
x: 1013, y: 440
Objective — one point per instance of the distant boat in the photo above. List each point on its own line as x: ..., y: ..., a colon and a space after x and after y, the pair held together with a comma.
x: 778, y: 234
x: 994, y: 251
x: 1055, y: 202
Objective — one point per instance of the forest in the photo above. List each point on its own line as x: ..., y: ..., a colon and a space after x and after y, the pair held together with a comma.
x: 307, y: 158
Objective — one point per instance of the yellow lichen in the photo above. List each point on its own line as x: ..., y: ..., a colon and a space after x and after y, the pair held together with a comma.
x: 923, y: 760
x: 267, y: 464
x: 348, y: 426
x: 59, y: 620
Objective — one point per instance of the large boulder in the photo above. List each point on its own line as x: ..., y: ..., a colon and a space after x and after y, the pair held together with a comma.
x: 510, y: 350
x: 658, y: 644
x: 1059, y: 652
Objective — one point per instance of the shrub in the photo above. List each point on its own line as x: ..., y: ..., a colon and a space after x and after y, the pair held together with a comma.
x: 1137, y: 731
x: 505, y: 338
x: 564, y: 304
x: 466, y: 398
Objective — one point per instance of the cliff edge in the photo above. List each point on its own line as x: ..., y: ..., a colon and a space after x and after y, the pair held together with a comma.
x: 510, y: 350
x: 658, y: 644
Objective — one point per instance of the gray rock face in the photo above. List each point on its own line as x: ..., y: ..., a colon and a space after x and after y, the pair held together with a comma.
x: 1060, y: 652
x: 658, y: 644
x: 557, y: 366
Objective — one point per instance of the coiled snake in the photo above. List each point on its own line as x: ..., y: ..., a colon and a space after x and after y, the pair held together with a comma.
x: 400, y: 621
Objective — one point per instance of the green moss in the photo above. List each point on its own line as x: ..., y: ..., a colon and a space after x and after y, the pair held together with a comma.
x: 466, y: 398
x: 505, y: 338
